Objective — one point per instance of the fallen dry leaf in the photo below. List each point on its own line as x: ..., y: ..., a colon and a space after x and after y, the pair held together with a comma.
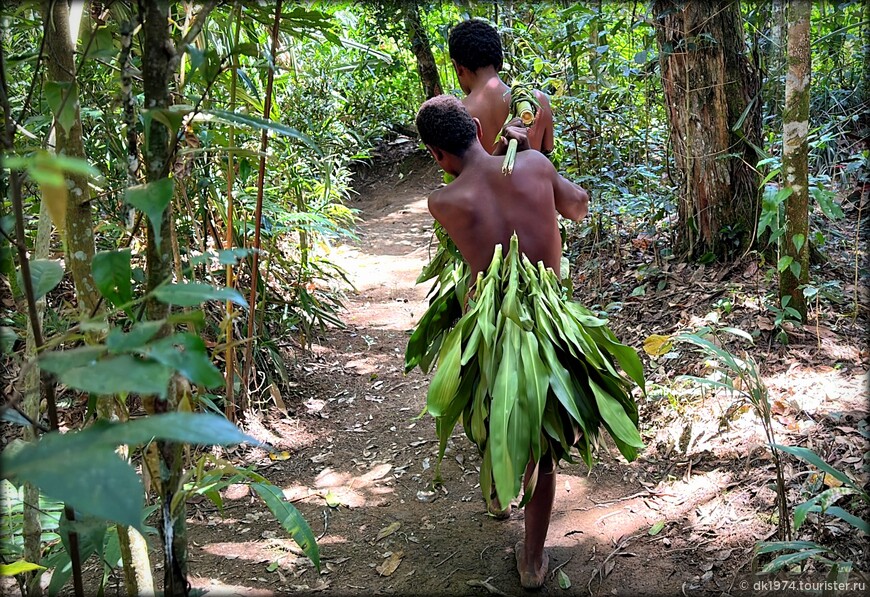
x: 388, y: 530
x: 389, y: 565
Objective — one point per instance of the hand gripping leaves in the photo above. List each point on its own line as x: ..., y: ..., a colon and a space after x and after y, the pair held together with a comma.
x: 526, y: 371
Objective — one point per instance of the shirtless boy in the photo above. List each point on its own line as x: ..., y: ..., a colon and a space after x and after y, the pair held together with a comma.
x: 476, y: 52
x: 479, y: 210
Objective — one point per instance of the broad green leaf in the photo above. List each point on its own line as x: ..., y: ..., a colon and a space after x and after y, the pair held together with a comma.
x: 113, y: 275
x: 291, y: 520
x: 152, y: 199
x: 45, y: 274
x: 115, y: 375
x: 90, y: 477
x: 798, y: 240
x: 195, y: 293
x: 504, y: 398
x: 193, y: 362
x: 784, y: 262
x: 19, y: 567
x: 60, y: 361
x: 62, y: 98
x: 615, y: 418
x: 8, y: 337
x: 444, y: 384
x: 117, y: 341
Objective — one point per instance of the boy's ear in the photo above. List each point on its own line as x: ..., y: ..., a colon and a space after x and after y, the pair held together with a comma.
x: 479, y: 129
x: 436, y: 152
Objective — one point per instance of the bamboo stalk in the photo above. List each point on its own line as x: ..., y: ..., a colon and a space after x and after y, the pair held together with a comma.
x: 258, y: 213
x: 230, y: 406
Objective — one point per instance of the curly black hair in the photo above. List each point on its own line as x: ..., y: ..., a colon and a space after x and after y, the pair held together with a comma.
x: 444, y: 122
x: 475, y: 44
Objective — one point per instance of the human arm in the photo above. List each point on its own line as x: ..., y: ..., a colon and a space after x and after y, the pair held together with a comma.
x: 545, y: 120
x: 572, y: 200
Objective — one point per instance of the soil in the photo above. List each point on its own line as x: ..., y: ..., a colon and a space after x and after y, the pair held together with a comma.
x: 682, y: 519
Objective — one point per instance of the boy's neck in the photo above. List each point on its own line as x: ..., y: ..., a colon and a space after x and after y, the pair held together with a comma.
x: 484, y: 77
x: 473, y: 156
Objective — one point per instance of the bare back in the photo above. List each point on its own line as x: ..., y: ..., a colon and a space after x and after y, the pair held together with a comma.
x: 483, y: 208
x: 491, y: 105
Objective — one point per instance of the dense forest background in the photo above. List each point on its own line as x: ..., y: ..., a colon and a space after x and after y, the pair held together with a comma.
x: 176, y: 176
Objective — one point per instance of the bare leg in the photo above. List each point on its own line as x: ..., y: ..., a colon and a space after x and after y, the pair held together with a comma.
x: 531, y: 559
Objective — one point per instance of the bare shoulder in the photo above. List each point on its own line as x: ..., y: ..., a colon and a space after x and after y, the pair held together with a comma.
x: 543, y: 98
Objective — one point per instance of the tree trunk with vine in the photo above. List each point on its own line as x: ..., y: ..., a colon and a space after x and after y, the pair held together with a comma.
x: 794, y: 248
x: 422, y: 49
x: 711, y: 90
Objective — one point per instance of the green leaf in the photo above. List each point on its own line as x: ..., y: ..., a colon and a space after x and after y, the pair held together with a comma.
x: 114, y: 375
x: 564, y: 581
x: 788, y: 560
x: 774, y: 546
x: 657, y: 528
x: 117, y: 341
x: 443, y: 387
x: 8, y: 338
x: 112, y: 275
x: 59, y: 361
x: 615, y: 417
x: 798, y: 240
x: 195, y: 293
x: 62, y: 98
x: 784, y: 262
x: 291, y: 520
x: 45, y: 274
x: 795, y: 268
x: 19, y: 567
x: 152, y: 199
x: 256, y: 122
x: 859, y: 523
x: 90, y: 477
x: 193, y: 362
x: 811, y: 457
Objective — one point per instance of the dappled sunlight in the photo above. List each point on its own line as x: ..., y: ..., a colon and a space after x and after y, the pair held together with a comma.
x: 346, y: 489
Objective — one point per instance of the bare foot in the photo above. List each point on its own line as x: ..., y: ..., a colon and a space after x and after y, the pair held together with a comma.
x: 530, y: 577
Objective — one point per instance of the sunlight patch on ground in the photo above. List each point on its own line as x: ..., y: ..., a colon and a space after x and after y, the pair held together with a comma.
x: 218, y: 589
x: 347, y: 489
x: 820, y: 389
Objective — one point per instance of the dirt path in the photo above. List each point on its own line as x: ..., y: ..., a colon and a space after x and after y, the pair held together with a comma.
x: 361, y: 469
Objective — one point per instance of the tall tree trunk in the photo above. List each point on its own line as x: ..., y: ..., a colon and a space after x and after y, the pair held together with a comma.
x: 776, y: 57
x: 157, y: 68
x: 79, y: 233
x: 426, y: 66
x: 795, y: 128
x: 711, y: 87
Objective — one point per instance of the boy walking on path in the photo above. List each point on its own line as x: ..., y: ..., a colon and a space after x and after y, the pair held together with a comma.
x: 530, y: 373
x: 476, y: 52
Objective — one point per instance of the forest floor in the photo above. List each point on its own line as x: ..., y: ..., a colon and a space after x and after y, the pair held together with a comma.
x: 683, y: 519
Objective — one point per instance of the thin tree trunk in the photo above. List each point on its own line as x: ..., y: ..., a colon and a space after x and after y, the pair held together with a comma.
x: 157, y: 67
x: 138, y: 579
x: 79, y: 233
x: 795, y: 148
x: 422, y: 49
x: 710, y: 88
x: 258, y: 213
x: 31, y: 390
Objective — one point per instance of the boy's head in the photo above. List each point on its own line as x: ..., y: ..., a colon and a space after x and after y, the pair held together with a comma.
x: 475, y: 44
x: 444, y: 123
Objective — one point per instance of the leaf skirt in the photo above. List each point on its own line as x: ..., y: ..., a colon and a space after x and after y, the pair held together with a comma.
x: 527, y: 371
